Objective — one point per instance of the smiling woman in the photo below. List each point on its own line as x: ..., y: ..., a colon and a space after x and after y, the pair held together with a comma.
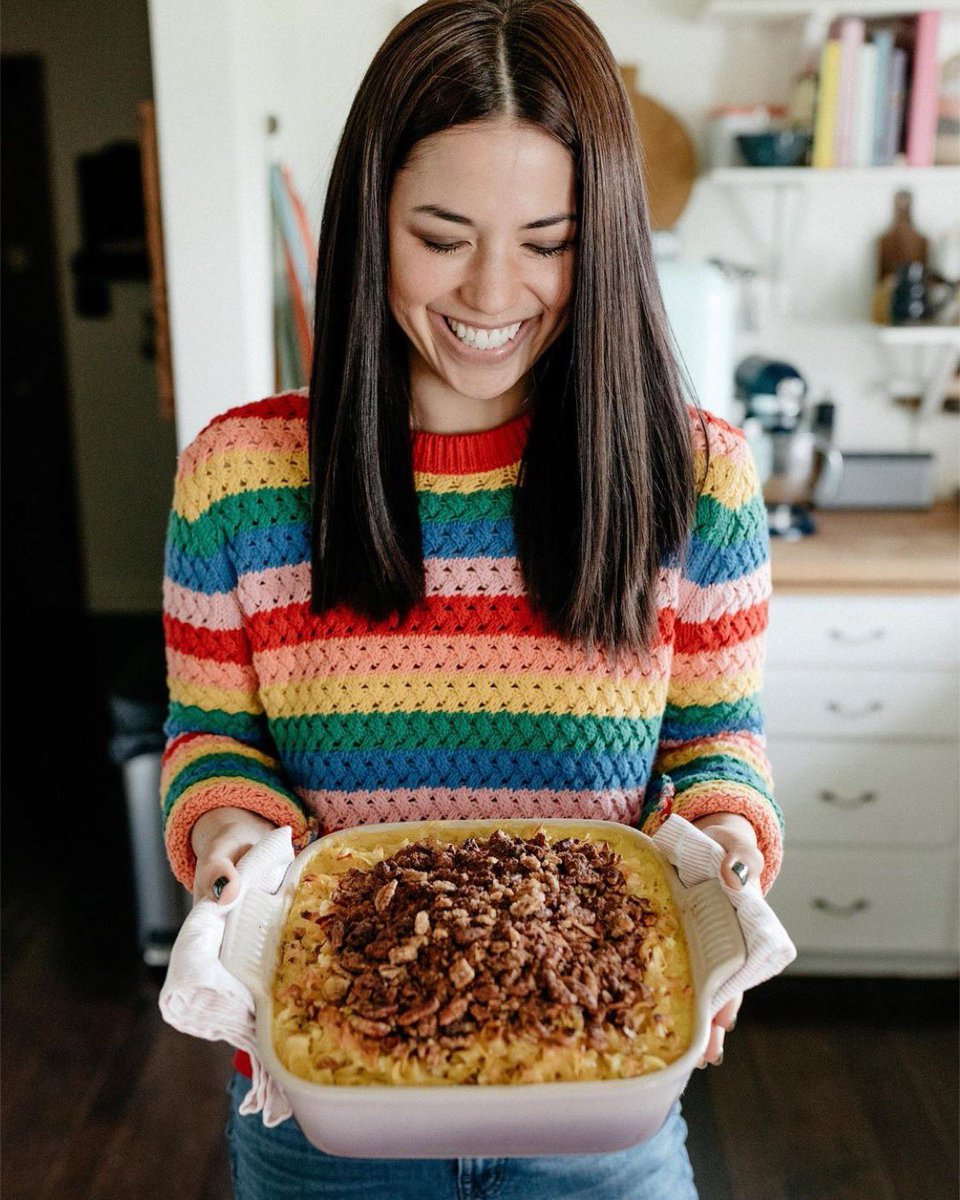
x: 494, y: 565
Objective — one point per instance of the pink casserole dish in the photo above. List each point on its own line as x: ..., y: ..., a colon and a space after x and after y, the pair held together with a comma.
x: 470, y: 1120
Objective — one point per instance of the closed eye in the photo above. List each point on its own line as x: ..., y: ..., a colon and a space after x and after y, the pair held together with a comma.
x: 542, y: 251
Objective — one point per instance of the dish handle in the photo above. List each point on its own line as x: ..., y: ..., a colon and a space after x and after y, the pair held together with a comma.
x: 719, y: 942
x: 249, y: 929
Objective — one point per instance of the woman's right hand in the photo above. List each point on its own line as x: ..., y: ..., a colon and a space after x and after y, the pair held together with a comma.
x: 220, y: 838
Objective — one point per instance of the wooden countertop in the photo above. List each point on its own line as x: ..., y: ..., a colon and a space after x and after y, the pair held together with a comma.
x: 861, y: 551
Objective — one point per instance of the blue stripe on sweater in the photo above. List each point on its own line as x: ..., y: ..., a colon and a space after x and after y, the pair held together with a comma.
x: 708, y: 564
x: 469, y: 539
x: 367, y: 770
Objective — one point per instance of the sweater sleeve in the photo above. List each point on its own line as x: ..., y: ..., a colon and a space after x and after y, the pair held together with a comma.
x: 219, y: 751
x: 711, y: 755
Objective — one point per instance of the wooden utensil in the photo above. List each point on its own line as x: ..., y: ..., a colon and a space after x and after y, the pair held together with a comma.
x: 670, y: 158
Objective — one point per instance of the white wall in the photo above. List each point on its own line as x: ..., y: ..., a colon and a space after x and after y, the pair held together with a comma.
x: 222, y: 67
x: 97, y: 69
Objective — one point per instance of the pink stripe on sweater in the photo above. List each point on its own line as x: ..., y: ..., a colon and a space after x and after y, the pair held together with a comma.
x: 713, y: 663
x: 342, y: 810
x: 726, y: 440
x: 370, y: 656
x: 699, y: 604
x: 244, y: 433
x: 473, y: 577
x: 217, y: 611
x: 209, y: 673
x: 276, y: 587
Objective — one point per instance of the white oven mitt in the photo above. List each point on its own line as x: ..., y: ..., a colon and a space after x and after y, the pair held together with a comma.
x: 199, y: 995
x: 698, y: 857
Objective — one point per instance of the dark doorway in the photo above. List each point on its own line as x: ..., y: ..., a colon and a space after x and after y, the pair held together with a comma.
x: 62, y: 813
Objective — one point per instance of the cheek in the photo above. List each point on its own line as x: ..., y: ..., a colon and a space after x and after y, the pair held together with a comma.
x: 557, y: 288
x: 414, y: 279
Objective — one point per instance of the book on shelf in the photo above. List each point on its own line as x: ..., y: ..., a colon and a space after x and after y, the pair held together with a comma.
x: 877, y: 92
x: 921, y: 133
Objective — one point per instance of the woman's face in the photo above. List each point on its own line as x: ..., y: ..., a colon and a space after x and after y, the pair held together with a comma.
x: 482, y: 224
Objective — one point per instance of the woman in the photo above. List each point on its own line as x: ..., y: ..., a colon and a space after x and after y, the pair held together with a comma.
x: 494, y: 565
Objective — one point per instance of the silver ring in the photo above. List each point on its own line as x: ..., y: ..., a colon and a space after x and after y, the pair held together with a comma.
x: 742, y: 872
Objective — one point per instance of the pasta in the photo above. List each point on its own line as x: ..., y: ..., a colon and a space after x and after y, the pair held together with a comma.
x: 446, y: 957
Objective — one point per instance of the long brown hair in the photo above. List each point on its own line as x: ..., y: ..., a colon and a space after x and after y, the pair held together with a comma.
x: 605, y: 493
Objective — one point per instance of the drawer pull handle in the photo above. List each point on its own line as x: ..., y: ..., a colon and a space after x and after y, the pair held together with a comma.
x: 846, y: 802
x: 840, y: 910
x: 842, y: 711
x: 854, y: 639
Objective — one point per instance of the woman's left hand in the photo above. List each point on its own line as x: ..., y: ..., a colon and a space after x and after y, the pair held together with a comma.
x: 742, y: 867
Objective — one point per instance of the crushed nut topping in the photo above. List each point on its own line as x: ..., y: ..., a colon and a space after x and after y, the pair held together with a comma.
x: 507, y: 935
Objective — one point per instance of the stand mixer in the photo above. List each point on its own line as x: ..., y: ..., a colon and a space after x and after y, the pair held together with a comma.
x: 793, y: 458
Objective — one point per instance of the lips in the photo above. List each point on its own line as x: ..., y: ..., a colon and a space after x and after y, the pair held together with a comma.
x: 472, y: 354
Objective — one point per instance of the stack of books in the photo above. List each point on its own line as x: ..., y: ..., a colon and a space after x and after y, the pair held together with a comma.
x: 878, y: 92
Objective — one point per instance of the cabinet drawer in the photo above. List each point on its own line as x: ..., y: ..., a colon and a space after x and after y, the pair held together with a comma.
x: 854, y: 791
x: 806, y: 702
x: 867, y: 631
x: 864, y: 901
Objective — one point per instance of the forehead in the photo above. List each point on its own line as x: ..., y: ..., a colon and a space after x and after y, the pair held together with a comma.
x: 488, y: 168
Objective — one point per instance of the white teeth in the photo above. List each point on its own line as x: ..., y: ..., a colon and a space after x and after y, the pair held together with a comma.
x: 484, y: 339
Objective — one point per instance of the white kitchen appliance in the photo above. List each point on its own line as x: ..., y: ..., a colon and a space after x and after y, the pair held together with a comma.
x: 701, y: 303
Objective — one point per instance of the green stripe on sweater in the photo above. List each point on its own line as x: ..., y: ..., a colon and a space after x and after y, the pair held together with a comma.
x: 453, y: 731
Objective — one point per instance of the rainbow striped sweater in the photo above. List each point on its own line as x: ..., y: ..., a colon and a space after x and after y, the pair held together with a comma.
x: 469, y: 707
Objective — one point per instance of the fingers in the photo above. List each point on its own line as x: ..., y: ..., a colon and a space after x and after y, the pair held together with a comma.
x: 742, y: 866
x: 726, y: 1017
x: 724, y: 1022
x: 217, y: 879
x: 713, y: 1055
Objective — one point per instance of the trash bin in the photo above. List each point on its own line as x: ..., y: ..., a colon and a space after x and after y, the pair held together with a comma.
x: 137, y: 701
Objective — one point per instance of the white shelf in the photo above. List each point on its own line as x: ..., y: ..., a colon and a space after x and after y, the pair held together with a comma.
x: 824, y: 9
x: 918, y: 335
x: 813, y: 176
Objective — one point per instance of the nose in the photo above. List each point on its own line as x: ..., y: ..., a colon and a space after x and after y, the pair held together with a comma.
x: 492, y: 284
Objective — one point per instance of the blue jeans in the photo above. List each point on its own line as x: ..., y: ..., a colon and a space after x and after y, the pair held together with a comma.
x: 280, y: 1164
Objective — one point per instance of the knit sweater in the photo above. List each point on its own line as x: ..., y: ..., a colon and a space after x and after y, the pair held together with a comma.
x: 469, y: 707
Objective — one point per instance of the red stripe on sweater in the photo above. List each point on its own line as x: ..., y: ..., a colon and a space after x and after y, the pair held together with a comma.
x: 220, y: 645
x: 494, y: 616
x: 289, y: 405
x: 726, y: 631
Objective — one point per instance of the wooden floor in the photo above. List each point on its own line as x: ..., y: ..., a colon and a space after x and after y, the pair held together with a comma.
x: 829, y: 1090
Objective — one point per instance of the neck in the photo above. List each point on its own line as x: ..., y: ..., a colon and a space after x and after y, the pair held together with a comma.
x: 436, y: 409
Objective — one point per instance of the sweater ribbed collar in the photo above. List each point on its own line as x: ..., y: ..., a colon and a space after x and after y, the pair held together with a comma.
x: 467, y: 453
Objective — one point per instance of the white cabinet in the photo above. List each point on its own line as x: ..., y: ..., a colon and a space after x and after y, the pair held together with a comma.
x: 862, y: 706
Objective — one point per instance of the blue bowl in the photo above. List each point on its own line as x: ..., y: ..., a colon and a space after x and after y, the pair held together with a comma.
x: 775, y: 148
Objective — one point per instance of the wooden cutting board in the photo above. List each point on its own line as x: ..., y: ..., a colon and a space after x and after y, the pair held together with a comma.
x: 670, y: 157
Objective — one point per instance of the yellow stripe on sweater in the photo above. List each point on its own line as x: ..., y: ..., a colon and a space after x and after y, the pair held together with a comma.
x: 211, y: 699
x: 730, y: 483
x: 702, y: 693
x: 235, y: 472
x: 538, y: 694
x: 480, y: 481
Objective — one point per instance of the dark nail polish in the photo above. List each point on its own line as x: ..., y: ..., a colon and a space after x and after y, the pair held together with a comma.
x: 742, y: 872
x: 218, y: 887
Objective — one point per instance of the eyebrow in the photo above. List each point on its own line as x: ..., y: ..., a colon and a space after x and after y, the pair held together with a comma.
x: 444, y: 214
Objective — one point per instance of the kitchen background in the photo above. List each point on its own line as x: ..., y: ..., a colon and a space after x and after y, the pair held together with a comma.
x: 840, y: 1080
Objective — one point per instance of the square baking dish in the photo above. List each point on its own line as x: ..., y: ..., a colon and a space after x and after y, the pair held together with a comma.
x: 484, y: 1120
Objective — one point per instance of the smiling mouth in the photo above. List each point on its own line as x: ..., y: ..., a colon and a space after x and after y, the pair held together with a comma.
x: 483, y: 339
